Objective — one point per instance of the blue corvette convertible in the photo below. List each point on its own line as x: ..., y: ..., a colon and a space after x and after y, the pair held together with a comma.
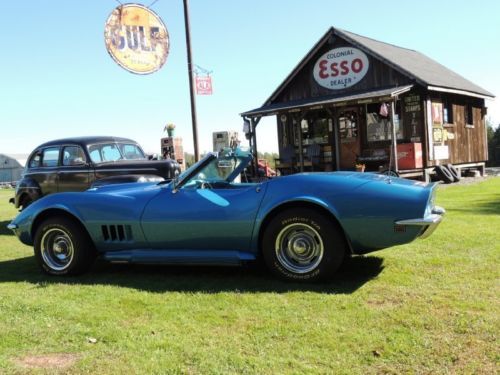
x: 303, y: 225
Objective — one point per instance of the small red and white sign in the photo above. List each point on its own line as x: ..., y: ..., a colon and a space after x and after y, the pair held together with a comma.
x: 341, y: 68
x: 203, y: 85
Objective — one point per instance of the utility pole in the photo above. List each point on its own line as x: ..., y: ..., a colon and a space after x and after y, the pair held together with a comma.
x: 191, y: 87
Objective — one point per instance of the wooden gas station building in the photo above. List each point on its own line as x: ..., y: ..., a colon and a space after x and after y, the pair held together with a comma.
x: 353, y: 100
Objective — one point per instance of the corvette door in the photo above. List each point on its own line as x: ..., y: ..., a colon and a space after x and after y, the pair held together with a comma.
x: 200, y: 218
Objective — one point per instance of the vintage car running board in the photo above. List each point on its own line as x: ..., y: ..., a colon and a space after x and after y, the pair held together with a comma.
x: 190, y: 257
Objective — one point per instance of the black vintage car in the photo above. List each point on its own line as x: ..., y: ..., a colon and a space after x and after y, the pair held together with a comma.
x: 74, y: 164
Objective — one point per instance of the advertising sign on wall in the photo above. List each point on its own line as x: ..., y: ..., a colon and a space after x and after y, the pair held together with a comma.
x: 136, y: 39
x: 340, y: 68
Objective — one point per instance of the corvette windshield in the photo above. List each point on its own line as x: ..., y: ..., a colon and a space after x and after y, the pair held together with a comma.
x: 106, y: 152
x: 220, y: 169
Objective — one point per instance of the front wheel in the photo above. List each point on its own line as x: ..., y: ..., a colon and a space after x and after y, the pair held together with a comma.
x: 303, y: 245
x: 62, y: 247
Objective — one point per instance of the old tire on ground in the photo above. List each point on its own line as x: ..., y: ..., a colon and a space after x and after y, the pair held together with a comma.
x: 303, y: 245
x: 454, y: 172
x: 444, y: 174
x: 62, y: 247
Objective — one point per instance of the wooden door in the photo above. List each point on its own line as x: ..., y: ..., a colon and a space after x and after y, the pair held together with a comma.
x: 348, y: 125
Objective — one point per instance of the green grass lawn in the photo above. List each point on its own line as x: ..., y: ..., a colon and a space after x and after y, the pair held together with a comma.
x: 428, y: 307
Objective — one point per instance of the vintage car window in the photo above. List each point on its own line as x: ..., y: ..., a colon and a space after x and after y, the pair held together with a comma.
x: 95, y: 154
x: 35, y: 160
x: 110, y: 153
x: 50, y: 157
x: 131, y: 151
x: 73, y: 155
x: 104, y: 152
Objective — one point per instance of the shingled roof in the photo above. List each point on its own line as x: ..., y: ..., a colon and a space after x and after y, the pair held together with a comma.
x: 414, y: 64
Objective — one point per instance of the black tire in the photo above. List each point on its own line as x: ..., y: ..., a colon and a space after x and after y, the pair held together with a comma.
x: 444, y: 174
x: 315, y: 245
x: 25, y: 202
x: 62, y: 247
x: 454, y: 172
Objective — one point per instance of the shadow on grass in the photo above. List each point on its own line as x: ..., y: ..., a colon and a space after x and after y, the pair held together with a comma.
x: 252, y: 278
x: 482, y: 207
x: 3, y: 228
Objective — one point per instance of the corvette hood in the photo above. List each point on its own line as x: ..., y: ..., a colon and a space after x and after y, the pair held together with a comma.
x: 129, y: 188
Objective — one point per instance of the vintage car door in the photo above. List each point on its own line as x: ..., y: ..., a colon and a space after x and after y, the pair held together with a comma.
x: 203, y: 218
x: 42, y: 170
x: 74, y: 170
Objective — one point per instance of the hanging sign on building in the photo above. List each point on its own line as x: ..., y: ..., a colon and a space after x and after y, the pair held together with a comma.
x: 203, y: 85
x: 136, y: 38
x: 341, y: 68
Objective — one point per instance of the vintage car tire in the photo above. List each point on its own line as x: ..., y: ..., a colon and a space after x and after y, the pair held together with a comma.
x: 454, y: 172
x: 303, y: 245
x: 63, y: 247
x: 444, y: 174
x: 25, y: 202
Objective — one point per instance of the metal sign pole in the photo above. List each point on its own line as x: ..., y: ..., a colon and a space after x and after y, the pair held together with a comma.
x: 191, y: 87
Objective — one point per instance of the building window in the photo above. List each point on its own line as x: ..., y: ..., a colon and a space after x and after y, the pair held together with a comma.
x: 448, y: 112
x: 348, y: 125
x: 378, y: 127
x: 315, y: 128
x: 469, y: 119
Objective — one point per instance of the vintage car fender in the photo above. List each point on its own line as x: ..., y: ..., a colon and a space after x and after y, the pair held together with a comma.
x: 27, y: 188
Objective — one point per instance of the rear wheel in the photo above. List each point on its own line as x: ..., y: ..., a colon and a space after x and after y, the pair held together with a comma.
x: 62, y: 247
x: 303, y: 245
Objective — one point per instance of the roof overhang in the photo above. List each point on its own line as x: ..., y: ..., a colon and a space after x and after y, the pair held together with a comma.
x: 459, y: 92
x: 328, y: 102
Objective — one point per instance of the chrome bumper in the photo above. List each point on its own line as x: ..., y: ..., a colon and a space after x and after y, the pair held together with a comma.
x: 431, y: 221
x: 12, y: 226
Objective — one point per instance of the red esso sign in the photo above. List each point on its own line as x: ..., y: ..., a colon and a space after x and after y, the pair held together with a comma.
x: 341, y: 68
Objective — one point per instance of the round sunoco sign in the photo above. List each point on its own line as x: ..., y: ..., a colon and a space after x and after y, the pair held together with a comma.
x: 136, y: 38
x: 340, y: 68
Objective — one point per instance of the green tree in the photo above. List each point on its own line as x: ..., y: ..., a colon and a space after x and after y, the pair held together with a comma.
x: 493, y: 136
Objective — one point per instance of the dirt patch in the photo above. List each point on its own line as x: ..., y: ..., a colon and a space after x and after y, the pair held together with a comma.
x: 55, y: 361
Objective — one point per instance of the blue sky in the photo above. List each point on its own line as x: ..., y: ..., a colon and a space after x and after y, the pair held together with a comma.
x: 57, y: 79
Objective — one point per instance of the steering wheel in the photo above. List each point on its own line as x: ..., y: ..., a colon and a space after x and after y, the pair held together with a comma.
x: 205, y: 185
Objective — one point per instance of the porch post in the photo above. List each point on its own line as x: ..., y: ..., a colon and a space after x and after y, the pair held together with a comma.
x: 394, y: 140
x: 253, y: 124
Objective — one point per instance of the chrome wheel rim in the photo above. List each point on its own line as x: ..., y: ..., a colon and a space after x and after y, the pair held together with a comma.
x: 57, y: 249
x: 299, y: 248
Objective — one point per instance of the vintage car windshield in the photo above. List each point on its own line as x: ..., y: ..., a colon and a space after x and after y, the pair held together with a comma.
x: 109, y: 152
